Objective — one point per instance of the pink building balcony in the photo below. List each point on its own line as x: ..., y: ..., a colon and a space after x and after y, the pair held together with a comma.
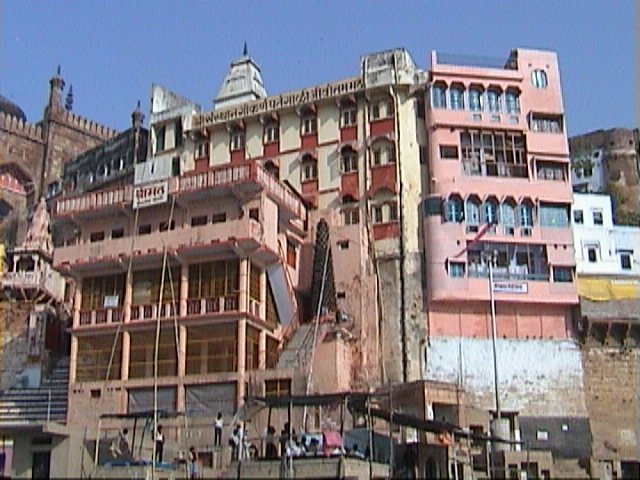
x: 348, y: 134
x: 188, y: 241
x: 383, y: 177
x: 101, y: 316
x: 205, y: 306
x: 104, y: 202
x: 349, y: 184
x: 382, y: 127
x: 543, y: 143
x: 440, y: 117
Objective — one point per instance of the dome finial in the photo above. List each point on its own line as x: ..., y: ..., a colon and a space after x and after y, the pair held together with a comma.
x: 245, y: 50
x: 58, y: 71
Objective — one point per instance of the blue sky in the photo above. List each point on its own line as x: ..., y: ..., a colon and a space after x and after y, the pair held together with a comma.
x: 112, y: 51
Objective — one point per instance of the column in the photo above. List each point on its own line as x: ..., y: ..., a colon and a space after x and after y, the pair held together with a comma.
x: 184, y: 290
x: 243, y: 293
x: 126, y: 355
x: 262, y: 350
x: 128, y: 297
x: 73, y: 358
x: 263, y: 295
x: 77, y: 304
x: 241, y: 354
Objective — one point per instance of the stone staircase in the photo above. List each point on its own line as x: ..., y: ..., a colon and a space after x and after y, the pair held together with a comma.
x: 34, y: 406
x: 297, y: 353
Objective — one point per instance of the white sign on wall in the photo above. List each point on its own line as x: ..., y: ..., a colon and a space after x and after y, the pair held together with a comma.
x: 111, y: 301
x: 150, y: 194
x: 505, y: 286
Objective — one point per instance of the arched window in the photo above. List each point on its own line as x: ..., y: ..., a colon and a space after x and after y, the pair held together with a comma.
x: 453, y: 210
x: 383, y: 152
x: 525, y: 214
x: 508, y: 213
x: 490, y: 211
x: 475, y: 98
x: 456, y: 97
x: 494, y: 99
x: 512, y: 101
x: 472, y: 211
x: 348, y: 160
x: 439, y: 95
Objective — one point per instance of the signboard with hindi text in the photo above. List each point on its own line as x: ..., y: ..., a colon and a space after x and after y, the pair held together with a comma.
x: 150, y: 194
x: 505, y: 286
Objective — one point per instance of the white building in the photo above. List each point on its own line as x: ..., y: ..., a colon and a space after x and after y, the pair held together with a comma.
x: 601, y: 247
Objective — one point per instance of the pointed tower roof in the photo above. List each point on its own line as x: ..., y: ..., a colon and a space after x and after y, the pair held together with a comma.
x: 38, y: 236
x: 243, y: 83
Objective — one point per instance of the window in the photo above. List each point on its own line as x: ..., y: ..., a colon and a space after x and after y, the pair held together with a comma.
x: 237, y: 140
x: 578, y: 217
x: 449, y: 152
x: 277, y: 388
x: 164, y: 226
x: 381, y: 109
x: 95, y: 289
x: 175, y: 166
x: 546, y: 123
x: 456, y: 97
x: 472, y: 212
x: 349, y: 161
x: 539, y: 79
x: 117, y: 233
x: 309, y: 168
x: 525, y: 211
x: 271, y: 132
x: 219, y: 217
x: 199, y: 220
x: 496, y: 154
x: 490, y: 212
x: 351, y: 217
x: 587, y: 171
x: 144, y: 229
x: 512, y: 102
x: 508, y: 217
x: 625, y: 259
x: 597, y: 217
x: 254, y: 214
x: 272, y: 169
x: 348, y: 116
x: 475, y: 99
x: 562, y: 274
x: 343, y: 245
x: 160, y: 134
x: 592, y: 253
x: 494, y: 100
x: 213, y: 279
x: 309, y: 123
x: 554, y: 215
x: 202, y: 149
x: 96, y: 237
x: 178, y: 133
x: 439, y: 95
x: 292, y: 254
x: 383, y: 154
x: 453, y: 210
x: 547, y: 170
x: 456, y: 269
x: 385, y: 212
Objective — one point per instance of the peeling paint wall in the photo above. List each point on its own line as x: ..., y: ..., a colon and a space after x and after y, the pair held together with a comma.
x: 536, y: 377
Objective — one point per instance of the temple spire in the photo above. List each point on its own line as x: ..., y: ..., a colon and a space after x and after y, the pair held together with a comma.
x: 245, y: 50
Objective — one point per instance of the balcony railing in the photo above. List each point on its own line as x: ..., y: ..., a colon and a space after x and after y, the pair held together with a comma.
x: 203, y: 306
x: 494, y: 169
x: 101, y: 316
x: 151, y: 311
x: 519, y: 272
x: 47, y: 280
x: 94, y: 200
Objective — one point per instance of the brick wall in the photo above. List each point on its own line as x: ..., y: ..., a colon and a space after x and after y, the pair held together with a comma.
x: 611, y: 391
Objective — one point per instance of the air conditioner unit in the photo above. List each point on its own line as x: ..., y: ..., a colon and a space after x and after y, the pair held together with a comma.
x: 525, y: 232
x: 509, y: 231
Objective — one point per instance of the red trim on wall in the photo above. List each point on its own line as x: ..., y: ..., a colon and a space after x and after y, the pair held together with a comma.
x: 383, y: 177
x: 386, y: 230
x: 309, y: 141
x: 382, y: 127
x: 348, y: 134
x: 349, y: 184
x: 237, y: 155
x: 271, y: 149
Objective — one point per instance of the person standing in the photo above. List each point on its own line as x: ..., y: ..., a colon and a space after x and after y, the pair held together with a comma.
x: 218, y: 424
x: 159, y: 444
x: 193, y: 462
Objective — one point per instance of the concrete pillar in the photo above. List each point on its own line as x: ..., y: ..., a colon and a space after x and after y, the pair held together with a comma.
x: 243, y: 291
x: 73, y: 358
x: 128, y: 297
x: 242, y: 359
x: 263, y: 295
x: 126, y: 355
x: 184, y: 290
x: 182, y: 350
x: 77, y: 304
x: 262, y: 350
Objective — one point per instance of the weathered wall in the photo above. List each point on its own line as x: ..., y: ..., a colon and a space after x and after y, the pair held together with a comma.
x: 536, y: 377
x: 612, y: 386
x: 14, y: 347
